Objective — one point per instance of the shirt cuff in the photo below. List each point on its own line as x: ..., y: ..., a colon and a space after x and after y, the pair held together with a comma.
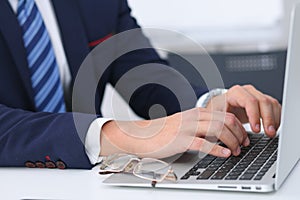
x: 204, y: 99
x: 92, y: 140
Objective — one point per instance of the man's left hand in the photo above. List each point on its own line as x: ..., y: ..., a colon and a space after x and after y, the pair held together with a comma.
x: 250, y: 105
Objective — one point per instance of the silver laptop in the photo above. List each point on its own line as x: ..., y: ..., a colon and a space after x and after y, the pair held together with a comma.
x: 261, y: 167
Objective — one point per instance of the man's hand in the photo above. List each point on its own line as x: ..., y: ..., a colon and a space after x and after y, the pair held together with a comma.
x: 197, y: 129
x: 250, y: 105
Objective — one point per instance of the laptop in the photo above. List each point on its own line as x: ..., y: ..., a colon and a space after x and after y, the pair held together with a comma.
x: 261, y: 167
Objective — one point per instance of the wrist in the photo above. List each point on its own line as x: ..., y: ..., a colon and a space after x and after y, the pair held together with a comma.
x: 216, y: 100
x: 116, y: 138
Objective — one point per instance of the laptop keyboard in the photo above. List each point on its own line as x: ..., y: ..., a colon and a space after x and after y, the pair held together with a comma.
x: 252, y: 164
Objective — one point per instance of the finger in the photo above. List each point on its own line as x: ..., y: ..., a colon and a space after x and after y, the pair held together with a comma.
x: 276, y: 111
x: 203, y: 116
x: 267, y: 106
x: 268, y: 118
x: 229, y: 120
x: 238, y: 96
x: 200, y: 144
x: 215, y: 121
x: 196, y: 114
x: 272, y: 123
x: 219, y: 130
x: 236, y: 127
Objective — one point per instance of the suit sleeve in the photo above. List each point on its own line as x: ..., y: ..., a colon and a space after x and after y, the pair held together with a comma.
x: 27, y: 136
x: 150, y: 91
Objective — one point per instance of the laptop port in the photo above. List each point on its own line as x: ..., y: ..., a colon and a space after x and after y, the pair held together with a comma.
x: 258, y: 188
x: 246, y: 188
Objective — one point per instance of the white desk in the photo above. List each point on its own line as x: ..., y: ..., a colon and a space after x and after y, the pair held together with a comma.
x: 87, y: 185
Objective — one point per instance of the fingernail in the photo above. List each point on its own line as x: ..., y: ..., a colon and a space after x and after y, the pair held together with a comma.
x: 247, y: 142
x: 271, y: 129
x: 238, y: 151
x: 257, y: 127
x: 226, y: 152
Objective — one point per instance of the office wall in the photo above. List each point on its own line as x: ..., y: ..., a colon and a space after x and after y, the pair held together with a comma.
x: 221, y: 25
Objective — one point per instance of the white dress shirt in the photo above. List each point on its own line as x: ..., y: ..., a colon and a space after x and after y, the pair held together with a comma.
x: 92, y: 142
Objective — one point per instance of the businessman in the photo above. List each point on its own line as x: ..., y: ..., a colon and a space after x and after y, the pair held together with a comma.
x: 42, y: 45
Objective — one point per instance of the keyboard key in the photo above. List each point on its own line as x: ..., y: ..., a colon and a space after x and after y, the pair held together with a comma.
x: 246, y: 176
x: 235, y: 173
x: 250, y: 171
x: 219, y: 161
x: 261, y: 173
x: 258, y: 178
x: 185, y: 177
x: 206, y: 174
x: 264, y: 170
x: 219, y: 176
x: 225, y: 168
x: 195, y: 174
x: 241, y: 166
x: 232, y: 177
x: 206, y: 161
x: 255, y: 168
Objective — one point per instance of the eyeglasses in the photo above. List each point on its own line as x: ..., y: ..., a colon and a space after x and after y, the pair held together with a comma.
x: 150, y: 169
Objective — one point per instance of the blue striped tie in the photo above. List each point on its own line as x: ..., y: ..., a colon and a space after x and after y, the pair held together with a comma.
x: 48, y: 92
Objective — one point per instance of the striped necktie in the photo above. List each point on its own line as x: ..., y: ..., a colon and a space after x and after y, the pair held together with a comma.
x: 46, y: 84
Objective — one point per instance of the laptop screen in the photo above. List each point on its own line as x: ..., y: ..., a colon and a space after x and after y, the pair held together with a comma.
x: 289, y: 151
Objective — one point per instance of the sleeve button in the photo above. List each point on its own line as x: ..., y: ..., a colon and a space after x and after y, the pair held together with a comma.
x: 30, y: 164
x: 50, y: 164
x: 60, y: 164
x: 40, y: 164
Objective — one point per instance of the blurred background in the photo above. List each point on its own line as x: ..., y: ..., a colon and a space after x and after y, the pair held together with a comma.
x: 247, y: 39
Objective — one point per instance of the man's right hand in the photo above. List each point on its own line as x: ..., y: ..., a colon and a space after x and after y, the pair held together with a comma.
x: 196, y: 129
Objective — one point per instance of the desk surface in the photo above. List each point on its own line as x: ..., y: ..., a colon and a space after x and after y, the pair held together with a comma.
x: 87, y: 185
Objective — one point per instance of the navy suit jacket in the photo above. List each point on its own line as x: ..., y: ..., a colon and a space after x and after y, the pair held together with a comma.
x: 27, y: 135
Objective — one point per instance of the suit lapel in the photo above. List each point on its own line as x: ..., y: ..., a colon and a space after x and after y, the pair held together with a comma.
x: 73, y: 36
x: 12, y: 33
